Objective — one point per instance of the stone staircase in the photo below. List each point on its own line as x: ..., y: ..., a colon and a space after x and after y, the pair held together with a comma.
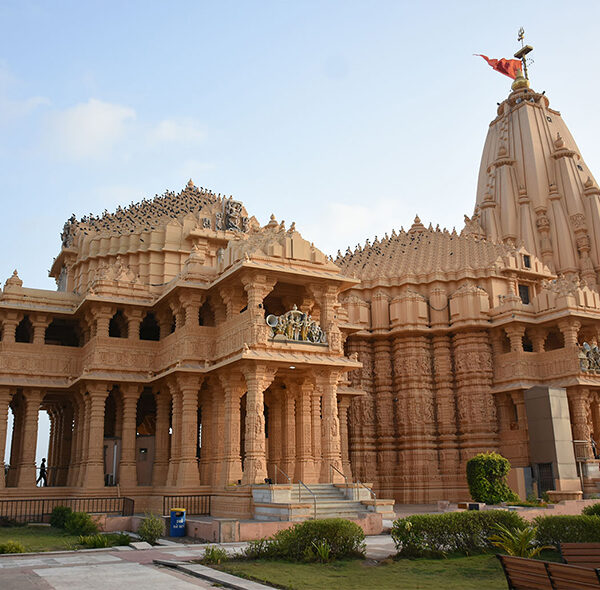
x: 331, y: 501
x: 295, y: 503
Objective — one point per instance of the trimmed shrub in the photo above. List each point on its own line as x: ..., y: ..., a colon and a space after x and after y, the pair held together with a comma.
x: 259, y: 549
x: 80, y: 523
x: 102, y: 540
x: 151, y: 529
x: 592, y: 510
x: 435, y: 535
x: 486, y: 475
x: 344, y: 539
x: 12, y: 547
x: 215, y: 555
x: 552, y: 530
x: 59, y: 516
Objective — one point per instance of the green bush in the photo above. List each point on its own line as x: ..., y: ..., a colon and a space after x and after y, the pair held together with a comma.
x: 344, y: 539
x: 80, y: 523
x: 435, y: 535
x: 59, y: 516
x: 102, y: 540
x: 552, y: 530
x: 215, y: 555
x: 151, y: 529
x: 592, y: 510
x: 12, y: 547
x: 259, y: 549
x: 486, y: 475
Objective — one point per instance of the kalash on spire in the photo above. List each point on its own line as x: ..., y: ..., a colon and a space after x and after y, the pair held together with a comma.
x: 534, y: 188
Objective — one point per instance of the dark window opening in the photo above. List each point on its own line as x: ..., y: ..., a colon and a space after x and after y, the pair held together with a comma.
x: 527, y: 343
x: 24, y: 331
x: 527, y: 260
x: 243, y: 309
x: 63, y: 332
x: 524, y: 294
x: 117, y: 328
x: 206, y: 315
x: 149, y: 328
x: 554, y: 340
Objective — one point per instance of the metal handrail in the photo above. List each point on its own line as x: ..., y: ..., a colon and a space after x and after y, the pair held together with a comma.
x: 284, y: 473
x: 342, y: 474
x: 360, y: 483
x: 301, y: 483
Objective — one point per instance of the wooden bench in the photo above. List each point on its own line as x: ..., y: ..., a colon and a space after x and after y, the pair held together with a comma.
x: 582, y: 554
x: 532, y: 574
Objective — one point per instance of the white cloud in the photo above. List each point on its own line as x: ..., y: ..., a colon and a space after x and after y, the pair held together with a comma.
x: 88, y: 130
x: 12, y: 109
x: 177, y: 130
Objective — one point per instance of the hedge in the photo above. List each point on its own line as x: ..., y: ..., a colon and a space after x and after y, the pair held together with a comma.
x: 435, y: 535
x: 552, y: 530
x: 486, y: 476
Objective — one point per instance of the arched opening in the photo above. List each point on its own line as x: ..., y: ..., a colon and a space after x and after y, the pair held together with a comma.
x: 172, y: 322
x: 63, y: 332
x: 283, y: 297
x: 24, y: 330
x: 112, y: 443
x: 206, y: 315
x: 117, y: 327
x: 44, y: 470
x: 145, y: 437
x: 10, y: 421
x: 527, y: 343
x: 149, y: 328
x: 554, y: 340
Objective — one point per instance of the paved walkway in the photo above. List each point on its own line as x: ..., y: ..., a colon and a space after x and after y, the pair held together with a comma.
x: 124, y: 568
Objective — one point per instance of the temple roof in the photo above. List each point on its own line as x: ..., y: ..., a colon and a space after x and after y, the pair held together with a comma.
x: 150, y: 214
x: 421, y: 251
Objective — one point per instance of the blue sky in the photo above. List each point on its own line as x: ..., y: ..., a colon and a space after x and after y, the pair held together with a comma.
x: 346, y: 117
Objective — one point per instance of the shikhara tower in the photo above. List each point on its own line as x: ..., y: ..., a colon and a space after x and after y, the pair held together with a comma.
x: 535, y: 189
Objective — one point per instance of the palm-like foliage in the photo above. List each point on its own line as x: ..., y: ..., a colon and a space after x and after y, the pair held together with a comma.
x: 518, y: 542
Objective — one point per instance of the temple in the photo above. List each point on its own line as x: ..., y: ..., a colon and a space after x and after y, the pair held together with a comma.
x: 189, y: 350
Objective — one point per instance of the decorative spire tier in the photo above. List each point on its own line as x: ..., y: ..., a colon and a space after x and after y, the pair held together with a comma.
x: 534, y: 187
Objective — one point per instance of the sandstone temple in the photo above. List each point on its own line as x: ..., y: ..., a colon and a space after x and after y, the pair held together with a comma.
x: 190, y: 351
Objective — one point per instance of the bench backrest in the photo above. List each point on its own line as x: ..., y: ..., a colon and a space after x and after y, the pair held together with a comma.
x: 532, y: 574
x: 583, y: 554
x: 572, y: 577
x: 525, y: 574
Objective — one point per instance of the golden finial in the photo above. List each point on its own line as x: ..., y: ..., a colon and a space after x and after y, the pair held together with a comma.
x: 521, y: 54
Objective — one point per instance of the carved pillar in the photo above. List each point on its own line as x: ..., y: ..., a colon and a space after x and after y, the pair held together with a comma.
x: 257, y: 287
x: 258, y: 378
x: 161, y: 454
x: 191, y: 303
x: 94, y: 459
x: 538, y: 339
x: 5, y: 397
x: 66, y: 443
x: 127, y: 465
x: 26, y: 467
x: 275, y: 436
x: 315, y: 410
x: 207, y: 448
x: 175, y: 433
x: 102, y: 317
x: 330, y: 425
x: 343, y: 405
x: 231, y: 465
x: 570, y: 330
x: 416, y: 418
x: 288, y: 419
x: 384, y: 404
x: 579, y: 401
x: 515, y: 334
x: 476, y: 407
x: 188, y: 475
x: 303, y: 469
x: 39, y: 323
x: 134, y: 319
x: 445, y: 399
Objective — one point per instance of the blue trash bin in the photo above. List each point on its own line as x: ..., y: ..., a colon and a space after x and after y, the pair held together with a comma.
x: 177, y: 522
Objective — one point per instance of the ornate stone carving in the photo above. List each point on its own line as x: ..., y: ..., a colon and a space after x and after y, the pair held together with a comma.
x: 296, y: 325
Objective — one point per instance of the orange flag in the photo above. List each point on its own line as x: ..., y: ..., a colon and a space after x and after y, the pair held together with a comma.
x: 508, y: 67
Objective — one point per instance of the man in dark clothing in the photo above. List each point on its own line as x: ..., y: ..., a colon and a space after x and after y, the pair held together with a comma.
x: 43, y: 475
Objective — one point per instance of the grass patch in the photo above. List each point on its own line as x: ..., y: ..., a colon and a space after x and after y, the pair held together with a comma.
x: 39, y: 538
x: 454, y: 573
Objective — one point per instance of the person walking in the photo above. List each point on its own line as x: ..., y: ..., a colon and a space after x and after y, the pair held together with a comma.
x: 43, y: 475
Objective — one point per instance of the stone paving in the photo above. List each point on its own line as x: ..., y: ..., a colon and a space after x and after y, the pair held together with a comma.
x: 126, y: 568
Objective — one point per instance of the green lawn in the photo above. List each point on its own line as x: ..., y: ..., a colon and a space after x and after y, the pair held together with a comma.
x: 455, y: 573
x: 38, y: 538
